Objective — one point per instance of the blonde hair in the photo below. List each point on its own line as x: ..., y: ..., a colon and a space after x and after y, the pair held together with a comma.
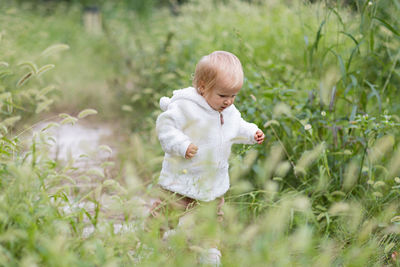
x: 216, y: 65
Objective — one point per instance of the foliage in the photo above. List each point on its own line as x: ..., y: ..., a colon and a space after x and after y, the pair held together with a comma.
x: 321, y: 81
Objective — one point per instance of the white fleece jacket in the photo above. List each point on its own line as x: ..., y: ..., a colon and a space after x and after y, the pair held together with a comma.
x: 188, y: 118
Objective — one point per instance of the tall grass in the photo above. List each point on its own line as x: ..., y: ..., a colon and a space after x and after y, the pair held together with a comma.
x: 321, y: 81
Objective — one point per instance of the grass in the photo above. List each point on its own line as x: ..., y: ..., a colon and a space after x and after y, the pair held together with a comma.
x: 321, y: 81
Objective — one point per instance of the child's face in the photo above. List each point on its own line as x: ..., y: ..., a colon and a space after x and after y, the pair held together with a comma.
x: 220, y: 97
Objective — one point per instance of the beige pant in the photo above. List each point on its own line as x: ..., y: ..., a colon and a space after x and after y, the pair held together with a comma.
x: 178, y: 206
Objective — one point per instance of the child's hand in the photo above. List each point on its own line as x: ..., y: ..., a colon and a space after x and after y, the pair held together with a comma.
x: 259, y: 136
x: 191, y: 151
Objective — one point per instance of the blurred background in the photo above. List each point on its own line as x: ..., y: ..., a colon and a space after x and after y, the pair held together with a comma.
x: 322, y: 80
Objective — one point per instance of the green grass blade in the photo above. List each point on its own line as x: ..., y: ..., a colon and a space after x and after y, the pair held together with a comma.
x: 374, y: 93
x: 388, y: 26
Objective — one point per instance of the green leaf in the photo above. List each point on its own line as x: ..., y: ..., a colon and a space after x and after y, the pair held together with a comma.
x: 353, y: 113
x: 350, y: 36
x: 374, y: 93
x: 342, y: 68
x: 337, y: 15
x: 371, y: 40
x: 318, y: 36
x: 388, y: 26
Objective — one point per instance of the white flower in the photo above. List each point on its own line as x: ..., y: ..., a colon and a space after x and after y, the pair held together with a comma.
x: 307, y: 127
x: 323, y: 113
x: 370, y: 3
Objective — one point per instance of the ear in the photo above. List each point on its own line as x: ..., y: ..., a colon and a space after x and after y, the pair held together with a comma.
x: 201, y: 88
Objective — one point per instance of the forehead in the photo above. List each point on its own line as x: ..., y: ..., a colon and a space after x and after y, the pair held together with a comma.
x: 226, y: 90
x: 224, y: 85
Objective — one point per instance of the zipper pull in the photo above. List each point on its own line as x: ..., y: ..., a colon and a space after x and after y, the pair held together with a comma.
x: 221, y: 118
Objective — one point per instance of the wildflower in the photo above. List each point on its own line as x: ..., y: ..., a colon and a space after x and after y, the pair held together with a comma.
x: 323, y: 113
x: 307, y: 127
x: 370, y: 3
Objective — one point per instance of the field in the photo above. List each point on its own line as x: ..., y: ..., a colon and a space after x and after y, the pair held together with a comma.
x: 322, y: 80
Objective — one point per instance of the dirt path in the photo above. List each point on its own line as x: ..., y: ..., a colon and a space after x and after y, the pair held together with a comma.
x: 89, y: 151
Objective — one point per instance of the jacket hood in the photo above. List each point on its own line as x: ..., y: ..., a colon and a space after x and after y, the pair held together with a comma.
x: 189, y: 93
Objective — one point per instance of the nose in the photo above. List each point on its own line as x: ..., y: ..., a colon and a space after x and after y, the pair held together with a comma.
x: 228, y: 102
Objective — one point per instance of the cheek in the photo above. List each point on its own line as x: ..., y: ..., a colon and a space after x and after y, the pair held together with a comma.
x: 218, y: 100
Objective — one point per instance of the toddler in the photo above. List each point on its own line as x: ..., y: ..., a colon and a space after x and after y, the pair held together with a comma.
x: 197, y: 128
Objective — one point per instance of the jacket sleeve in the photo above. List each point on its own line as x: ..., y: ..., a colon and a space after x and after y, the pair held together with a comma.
x: 169, y: 127
x: 245, y: 133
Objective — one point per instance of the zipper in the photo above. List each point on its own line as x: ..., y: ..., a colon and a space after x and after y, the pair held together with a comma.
x: 221, y: 120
